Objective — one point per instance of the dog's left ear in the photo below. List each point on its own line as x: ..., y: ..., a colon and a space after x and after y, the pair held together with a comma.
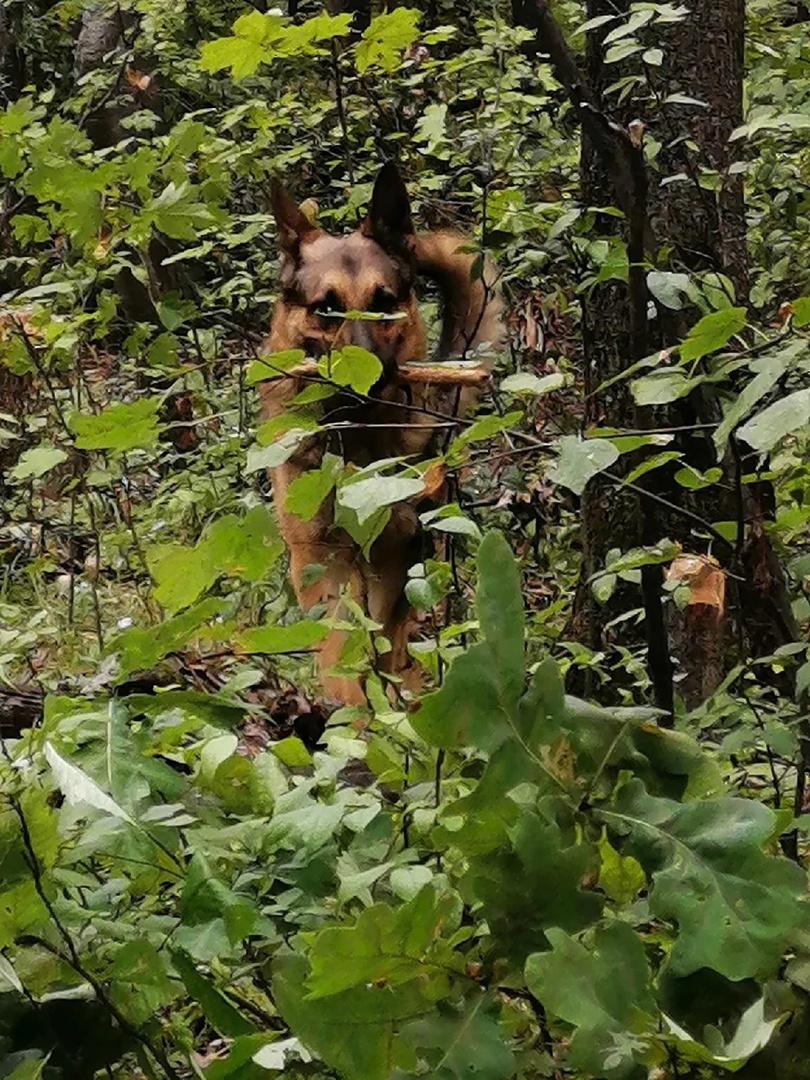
x: 389, y: 219
x: 294, y: 227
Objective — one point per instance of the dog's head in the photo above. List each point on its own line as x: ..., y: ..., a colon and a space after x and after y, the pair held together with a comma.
x: 371, y: 270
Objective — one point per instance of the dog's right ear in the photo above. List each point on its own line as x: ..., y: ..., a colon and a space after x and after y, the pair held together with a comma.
x: 293, y: 225
x: 389, y: 219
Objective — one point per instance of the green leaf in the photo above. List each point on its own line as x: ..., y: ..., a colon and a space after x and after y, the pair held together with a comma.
x: 394, y: 945
x: 450, y: 519
x: 431, y: 125
x: 173, y: 311
x: 713, y: 332
x: 177, y: 213
x: 307, y: 491
x: 37, y: 462
x: 370, y: 494
x: 364, y: 532
x: 79, y: 789
x: 605, y: 994
x: 580, y: 460
x: 261, y: 38
x: 769, y: 375
x: 801, y: 312
x: 427, y: 585
x: 245, y: 547
x: 655, y: 461
x: 460, y: 1041
x: 385, y: 39
x: 240, y: 54
x: 269, y: 457
x: 19, y: 115
x: 119, y: 427
x: 271, y: 640
x: 163, y: 351
x: 141, y: 983
x: 536, y: 849
x: 633, y: 24
x: 735, y: 907
x: 273, y: 1056
x: 668, y: 288
x: 29, y: 1070
x: 139, y: 648
x: 485, y: 682
x: 219, y: 1012
x: 292, y: 752
x: 351, y: 366
x: 205, y: 898
x: 487, y: 427
x: 524, y: 382
x: 354, y: 1032
x: 622, y: 51
x: 603, y: 586
x: 695, y: 480
x: 273, y: 366
x: 661, y: 387
x: 500, y: 611
x: 763, y: 431
x: 621, y: 877
x: 752, y: 1035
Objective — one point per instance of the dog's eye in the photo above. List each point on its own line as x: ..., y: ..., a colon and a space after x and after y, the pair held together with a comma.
x: 331, y: 304
x: 383, y: 302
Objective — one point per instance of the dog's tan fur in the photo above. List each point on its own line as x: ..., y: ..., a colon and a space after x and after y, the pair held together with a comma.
x: 372, y: 269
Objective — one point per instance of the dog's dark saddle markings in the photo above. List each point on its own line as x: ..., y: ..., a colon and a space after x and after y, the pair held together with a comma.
x: 371, y: 270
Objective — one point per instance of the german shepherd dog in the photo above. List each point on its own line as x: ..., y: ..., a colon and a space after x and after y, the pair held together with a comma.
x: 371, y: 270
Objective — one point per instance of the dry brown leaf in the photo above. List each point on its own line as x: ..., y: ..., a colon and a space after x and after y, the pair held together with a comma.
x: 433, y: 479
x: 138, y: 80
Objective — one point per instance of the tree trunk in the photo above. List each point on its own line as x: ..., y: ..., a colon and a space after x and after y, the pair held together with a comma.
x: 702, y: 229
x: 12, y: 67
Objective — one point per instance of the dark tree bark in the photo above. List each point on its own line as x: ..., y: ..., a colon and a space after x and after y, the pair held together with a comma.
x: 12, y: 65
x: 704, y: 59
x: 689, y: 228
x: 703, y: 230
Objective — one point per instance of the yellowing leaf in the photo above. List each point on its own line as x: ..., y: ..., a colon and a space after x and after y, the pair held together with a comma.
x: 385, y: 39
